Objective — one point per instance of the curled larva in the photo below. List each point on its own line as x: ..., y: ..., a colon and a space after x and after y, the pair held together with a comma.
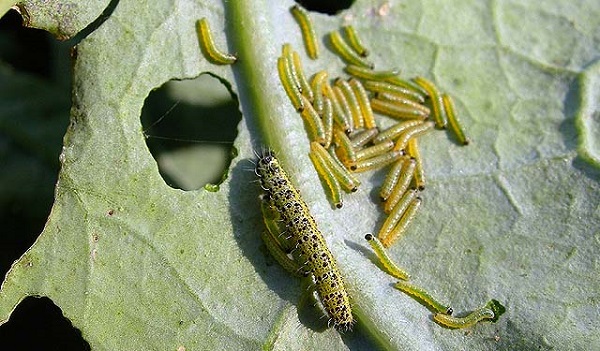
x: 424, y: 297
x: 355, y: 42
x: 391, y: 267
x: 345, y: 51
x: 208, y: 46
x: 439, y: 113
x: 453, y: 120
x: 412, y: 132
x: 308, y: 32
x: 309, y: 245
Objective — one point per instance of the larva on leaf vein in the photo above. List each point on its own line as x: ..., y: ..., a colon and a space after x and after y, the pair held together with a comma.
x: 309, y: 245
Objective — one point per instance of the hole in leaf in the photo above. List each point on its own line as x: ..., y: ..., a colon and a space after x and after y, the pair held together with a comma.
x: 38, y: 324
x: 327, y: 7
x: 190, y: 126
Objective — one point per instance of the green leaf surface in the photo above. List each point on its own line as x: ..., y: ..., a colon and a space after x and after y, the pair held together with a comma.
x: 514, y: 216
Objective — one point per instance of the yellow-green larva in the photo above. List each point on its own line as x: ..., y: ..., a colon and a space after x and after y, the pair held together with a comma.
x: 355, y: 42
x: 326, y: 175
x: 345, y: 105
x: 289, y: 85
x: 208, y: 46
x: 413, y: 151
x: 401, y: 186
x: 412, y: 132
x: 393, y: 132
x: 453, y: 119
x: 402, y: 100
x: 316, y: 84
x: 310, y: 246
x: 306, y: 88
x: 391, y: 267
x: 407, y: 84
x: 464, y: 322
x: 308, y: 32
x: 347, y: 180
x: 358, y: 120
x: 376, y: 87
x: 407, y: 217
x: 378, y: 161
x: 313, y: 122
x: 363, y: 101
x: 396, y: 214
x: 339, y: 116
x: 345, y: 51
x: 391, y: 179
x: 439, y: 113
x: 397, y: 111
x: 424, y: 297
x: 362, y: 72
x: 327, y: 116
x: 375, y: 150
x: 344, y: 149
x: 287, y: 54
x: 362, y: 138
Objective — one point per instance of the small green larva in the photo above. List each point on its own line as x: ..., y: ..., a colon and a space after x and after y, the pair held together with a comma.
x: 412, y: 132
x: 384, y: 87
x: 362, y: 72
x: 375, y: 150
x: 344, y: 149
x: 287, y: 54
x: 396, y: 214
x: 397, y: 111
x: 354, y: 41
x: 413, y: 151
x: 310, y: 246
x: 407, y: 217
x: 346, y: 53
x: 316, y: 84
x: 358, y: 120
x: 391, y: 267
x: 326, y: 175
x: 402, y: 100
x: 401, y: 186
x: 453, y: 120
x: 363, y: 101
x: 208, y: 46
x: 347, y: 180
x: 341, y: 98
x: 281, y: 256
x: 364, y: 137
x: 393, y: 132
x: 313, y: 122
x: 378, y: 161
x: 390, y: 180
x: 308, y: 32
x: 424, y: 297
x: 306, y: 88
x: 464, y: 322
x: 327, y: 116
x: 439, y: 113
x: 289, y: 85
x: 339, y: 116
x: 407, y: 84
